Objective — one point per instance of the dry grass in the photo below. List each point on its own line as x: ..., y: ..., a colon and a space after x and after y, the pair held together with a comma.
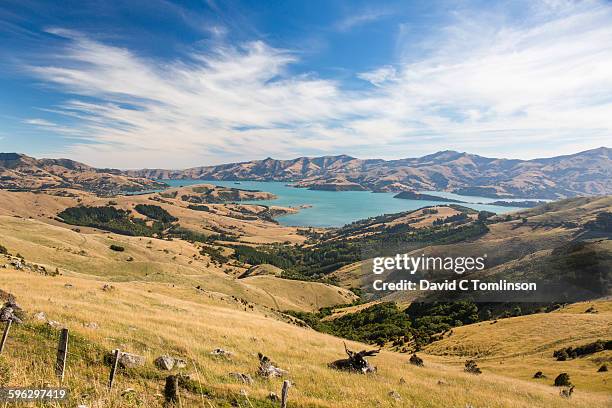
x: 519, y: 347
x: 155, y: 318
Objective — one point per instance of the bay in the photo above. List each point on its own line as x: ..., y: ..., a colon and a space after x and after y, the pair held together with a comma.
x: 337, y: 208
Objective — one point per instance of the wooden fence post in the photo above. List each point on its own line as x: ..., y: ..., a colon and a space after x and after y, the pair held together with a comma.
x: 117, y: 355
x: 5, y: 334
x: 285, y: 393
x: 62, y: 352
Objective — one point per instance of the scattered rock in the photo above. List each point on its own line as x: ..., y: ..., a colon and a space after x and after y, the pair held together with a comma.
x: 128, y: 360
x: 180, y: 363
x: 268, y: 369
x: 222, y: 353
x: 55, y: 324
x: 567, y: 393
x: 164, y: 362
x: 68, y: 286
x: 10, y: 311
x: 40, y: 316
x: 442, y: 382
x: 127, y: 391
x: 402, y: 381
x: 92, y: 325
x: 395, y: 395
x: 244, y: 378
x: 108, y: 288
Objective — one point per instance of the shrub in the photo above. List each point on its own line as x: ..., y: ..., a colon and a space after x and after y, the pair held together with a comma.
x: 603, y: 369
x: 117, y: 248
x: 471, y: 367
x: 3, y: 250
x: 563, y: 380
x: 416, y: 360
x: 539, y: 374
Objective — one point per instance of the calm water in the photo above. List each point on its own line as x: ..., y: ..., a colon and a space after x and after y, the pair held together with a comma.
x: 336, y: 208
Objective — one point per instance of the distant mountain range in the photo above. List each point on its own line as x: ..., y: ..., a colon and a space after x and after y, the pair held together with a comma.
x: 584, y: 173
x: 25, y: 173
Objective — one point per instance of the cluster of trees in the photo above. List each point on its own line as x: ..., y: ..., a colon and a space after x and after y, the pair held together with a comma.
x: 155, y: 212
x: 460, y: 217
x: 109, y: 219
x: 575, y: 352
x: 377, y: 324
x: 603, y: 222
x: 346, y: 246
x: 252, y: 256
x: 385, y: 322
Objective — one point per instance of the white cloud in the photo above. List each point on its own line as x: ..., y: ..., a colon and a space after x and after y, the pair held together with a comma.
x: 361, y: 18
x: 535, y: 88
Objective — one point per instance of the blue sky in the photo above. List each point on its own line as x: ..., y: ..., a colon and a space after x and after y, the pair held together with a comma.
x: 167, y: 84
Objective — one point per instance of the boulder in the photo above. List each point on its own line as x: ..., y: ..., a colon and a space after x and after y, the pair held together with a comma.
x: 164, y: 362
x: 245, y: 378
x: 129, y: 360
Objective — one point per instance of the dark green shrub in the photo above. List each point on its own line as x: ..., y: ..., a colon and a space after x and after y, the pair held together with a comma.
x: 3, y: 250
x: 471, y: 367
x: 117, y: 248
x: 563, y: 380
x: 603, y: 369
x: 416, y: 360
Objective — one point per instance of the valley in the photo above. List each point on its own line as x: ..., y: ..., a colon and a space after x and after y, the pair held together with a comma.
x: 194, y: 267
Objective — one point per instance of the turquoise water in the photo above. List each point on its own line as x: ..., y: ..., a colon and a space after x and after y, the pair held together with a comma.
x: 336, y: 208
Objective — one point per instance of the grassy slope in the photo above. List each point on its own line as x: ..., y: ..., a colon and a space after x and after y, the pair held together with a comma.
x: 520, y: 346
x: 154, y: 260
x: 155, y: 318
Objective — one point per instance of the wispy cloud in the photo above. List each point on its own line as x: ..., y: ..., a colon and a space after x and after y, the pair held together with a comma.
x: 517, y: 88
x: 362, y: 17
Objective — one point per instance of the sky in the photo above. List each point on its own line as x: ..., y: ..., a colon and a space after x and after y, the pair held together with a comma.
x: 155, y: 83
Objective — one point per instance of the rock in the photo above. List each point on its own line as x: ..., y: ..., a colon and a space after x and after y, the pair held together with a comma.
x: 539, y: 374
x: 9, y: 311
x: 267, y: 368
x: 40, y: 316
x: 129, y: 360
x: 17, y: 264
x: 108, y: 288
x: 180, y: 363
x: 402, y: 381
x: 245, y: 378
x: 129, y: 259
x: 91, y: 325
x: 395, y: 395
x: 442, y: 382
x: 127, y: 391
x: 221, y: 353
x: 165, y: 362
x: 68, y: 286
x: 55, y: 324
x: 273, y: 397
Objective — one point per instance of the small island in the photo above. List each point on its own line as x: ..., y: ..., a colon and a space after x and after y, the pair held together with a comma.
x: 411, y: 195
